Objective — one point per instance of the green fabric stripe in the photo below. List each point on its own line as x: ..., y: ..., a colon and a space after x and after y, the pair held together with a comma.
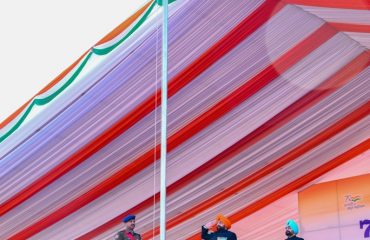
x: 45, y: 100
x: 66, y: 84
x: 20, y: 121
x: 160, y: 2
x: 137, y: 25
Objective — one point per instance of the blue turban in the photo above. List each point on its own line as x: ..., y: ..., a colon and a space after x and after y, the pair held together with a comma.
x: 293, y: 225
x: 128, y: 218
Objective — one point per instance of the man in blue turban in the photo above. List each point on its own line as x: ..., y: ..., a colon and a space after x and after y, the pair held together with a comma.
x: 291, y: 230
x: 128, y: 232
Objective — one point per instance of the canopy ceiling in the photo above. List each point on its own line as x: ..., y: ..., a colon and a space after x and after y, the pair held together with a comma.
x: 265, y: 97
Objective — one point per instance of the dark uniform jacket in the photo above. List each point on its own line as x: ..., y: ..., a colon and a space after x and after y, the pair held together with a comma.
x: 121, y: 235
x: 295, y: 238
x: 222, y: 234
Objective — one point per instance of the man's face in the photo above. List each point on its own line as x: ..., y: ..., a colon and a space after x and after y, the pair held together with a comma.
x: 130, y: 225
x: 220, y: 225
x: 288, y: 231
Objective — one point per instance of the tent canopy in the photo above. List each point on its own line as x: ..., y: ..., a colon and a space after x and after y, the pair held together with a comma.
x: 265, y: 97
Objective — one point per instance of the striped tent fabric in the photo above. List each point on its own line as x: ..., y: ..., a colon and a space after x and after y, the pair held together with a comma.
x: 265, y: 97
x: 349, y: 17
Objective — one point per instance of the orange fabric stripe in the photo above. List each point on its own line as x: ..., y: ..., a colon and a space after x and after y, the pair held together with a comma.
x: 347, y: 4
x: 348, y: 27
x: 123, y: 26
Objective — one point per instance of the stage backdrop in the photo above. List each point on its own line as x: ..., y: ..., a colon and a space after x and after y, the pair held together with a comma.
x: 336, y: 210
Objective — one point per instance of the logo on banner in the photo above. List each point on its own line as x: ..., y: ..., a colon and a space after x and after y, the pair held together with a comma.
x: 353, y: 202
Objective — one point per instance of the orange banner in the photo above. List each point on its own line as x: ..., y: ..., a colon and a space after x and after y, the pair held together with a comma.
x: 336, y: 210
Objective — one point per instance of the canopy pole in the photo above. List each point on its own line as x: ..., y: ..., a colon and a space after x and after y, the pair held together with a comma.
x: 164, y: 121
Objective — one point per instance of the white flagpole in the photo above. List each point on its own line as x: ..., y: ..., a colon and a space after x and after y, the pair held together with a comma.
x: 164, y: 121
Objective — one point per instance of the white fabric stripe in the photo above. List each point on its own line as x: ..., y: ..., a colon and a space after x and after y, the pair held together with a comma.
x: 339, y: 15
x: 362, y: 38
x: 122, y: 34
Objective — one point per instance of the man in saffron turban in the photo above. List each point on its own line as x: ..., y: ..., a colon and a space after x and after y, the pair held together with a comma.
x: 218, y: 229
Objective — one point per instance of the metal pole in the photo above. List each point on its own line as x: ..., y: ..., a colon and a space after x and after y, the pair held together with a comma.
x: 164, y: 122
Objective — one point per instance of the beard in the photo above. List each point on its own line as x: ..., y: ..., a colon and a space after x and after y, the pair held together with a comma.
x: 288, y: 233
x: 221, y: 227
